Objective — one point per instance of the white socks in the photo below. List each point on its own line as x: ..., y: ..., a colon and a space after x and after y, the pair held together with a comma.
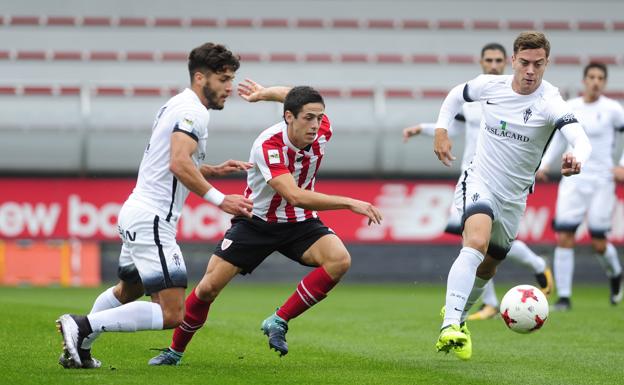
x: 104, y: 301
x: 474, y: 296
x: 460, y: 282
x: 564, y: 270
x: 130, y: 317
x: 521, y: 254
x: 610, y: 261
x: 489, y: 294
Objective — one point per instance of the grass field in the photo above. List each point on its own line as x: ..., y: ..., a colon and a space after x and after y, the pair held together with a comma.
x: 362, y: 334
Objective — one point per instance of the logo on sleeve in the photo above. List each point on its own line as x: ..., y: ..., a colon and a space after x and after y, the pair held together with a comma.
x: 274, y: 156
x: 226, y: 243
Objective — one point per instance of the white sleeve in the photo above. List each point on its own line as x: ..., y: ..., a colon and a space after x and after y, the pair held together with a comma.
x: 618, y: 119
x: 460, y: 94
x: 191, y: 124
x: 562, y: 118
x: 457, y: 126
x: 555, y: 149
x: 575, y: 135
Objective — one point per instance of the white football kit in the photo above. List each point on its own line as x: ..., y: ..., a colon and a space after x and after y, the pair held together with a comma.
x: 592, y: 192
x: 515, y: 131
x: 468, y: 121
x: 148, y: 219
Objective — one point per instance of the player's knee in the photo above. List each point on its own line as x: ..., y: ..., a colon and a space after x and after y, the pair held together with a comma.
x: 338, y: 263
x: 172, y: 318
x: 478, y: 242
x: 206, y: 290
x: 599, y: 246
x: 565, y: 239
x: 126, y: 292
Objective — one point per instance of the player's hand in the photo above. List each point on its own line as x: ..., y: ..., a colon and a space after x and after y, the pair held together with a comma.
x: 367, y: 209
x: 542, y: 175
x: 442, y: 146
x: 570, y: 166
x: 411, y: 131
x: 231, y: 166
x: 250, y: 91
x: 237, y: 205
x: 618, y: 174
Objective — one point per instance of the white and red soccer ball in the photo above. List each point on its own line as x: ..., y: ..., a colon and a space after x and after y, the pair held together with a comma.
x: 524, y: 309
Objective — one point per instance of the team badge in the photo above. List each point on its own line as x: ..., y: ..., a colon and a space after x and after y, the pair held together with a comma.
x: 274, y: 156
x: 527, y: 114
x: 225, y: 243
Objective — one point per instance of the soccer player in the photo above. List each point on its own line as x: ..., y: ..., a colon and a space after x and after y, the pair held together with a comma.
x: 521, y: 112
x: 151, y: 262
x: 286, y: 158
x: 493, y: 62
x: 592, y: 193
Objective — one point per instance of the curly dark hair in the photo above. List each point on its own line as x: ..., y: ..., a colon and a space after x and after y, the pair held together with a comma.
x: 210, y: 57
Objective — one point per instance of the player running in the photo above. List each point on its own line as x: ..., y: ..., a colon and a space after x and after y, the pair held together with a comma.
x: 592, y: 193
x: 493, y: 62
x: 286, y: 158
x: 520, y: 115
x: 151, y: 262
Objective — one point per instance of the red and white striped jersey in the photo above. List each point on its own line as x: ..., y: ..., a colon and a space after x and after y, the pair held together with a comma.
x: 273, y: 155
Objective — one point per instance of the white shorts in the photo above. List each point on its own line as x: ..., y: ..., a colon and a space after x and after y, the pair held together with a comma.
x: 579, y: 197
x: 472, y: 196
x: 149, y: 248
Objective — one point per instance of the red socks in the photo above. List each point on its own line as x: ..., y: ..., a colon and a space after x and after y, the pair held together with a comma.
x: 196, y: 312
x: 312, y: 289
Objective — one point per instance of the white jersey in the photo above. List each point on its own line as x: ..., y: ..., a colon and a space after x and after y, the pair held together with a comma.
x: 516, y: 129
x: 157, y: 190
x: 469, y: 121
x: 600, y: 120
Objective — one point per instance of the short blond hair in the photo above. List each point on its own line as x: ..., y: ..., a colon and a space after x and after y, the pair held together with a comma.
x: 531, y: 40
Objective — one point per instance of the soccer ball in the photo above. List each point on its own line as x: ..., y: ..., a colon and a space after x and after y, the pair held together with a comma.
x: 524, y: 309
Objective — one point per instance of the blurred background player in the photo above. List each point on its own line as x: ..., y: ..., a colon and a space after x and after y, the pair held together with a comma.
x: 151, y: 261
x: 286, y: 158
x: 493, y: 62
x: 520, y: 115
x: 591, y: 194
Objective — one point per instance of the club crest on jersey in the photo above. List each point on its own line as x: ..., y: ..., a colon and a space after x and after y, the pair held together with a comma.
x: 274, y: 156
x: 226, y: 243
x: 527, y: 114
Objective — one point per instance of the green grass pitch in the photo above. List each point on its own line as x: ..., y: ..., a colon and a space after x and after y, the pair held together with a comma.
x: 361, y: 334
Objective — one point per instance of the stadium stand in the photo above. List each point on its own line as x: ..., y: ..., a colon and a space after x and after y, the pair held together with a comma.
x: 96, y: 77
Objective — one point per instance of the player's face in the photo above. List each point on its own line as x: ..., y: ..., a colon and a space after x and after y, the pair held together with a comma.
x: 528, y: 66
x: 493, y: 62
x: 594, y: 82
x: 215, y: 88
x: 303, y: 128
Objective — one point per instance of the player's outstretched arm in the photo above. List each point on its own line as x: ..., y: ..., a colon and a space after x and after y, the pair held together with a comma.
x: 572, y: 161
x: 254, y: 92
x: 285, y: 186
x: 411, y: 131
x: 183, y: 168
x: 442, y: 146
x: 225, y: 168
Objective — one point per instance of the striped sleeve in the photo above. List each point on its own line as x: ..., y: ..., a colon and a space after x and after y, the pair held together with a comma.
x: 270, y: 160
